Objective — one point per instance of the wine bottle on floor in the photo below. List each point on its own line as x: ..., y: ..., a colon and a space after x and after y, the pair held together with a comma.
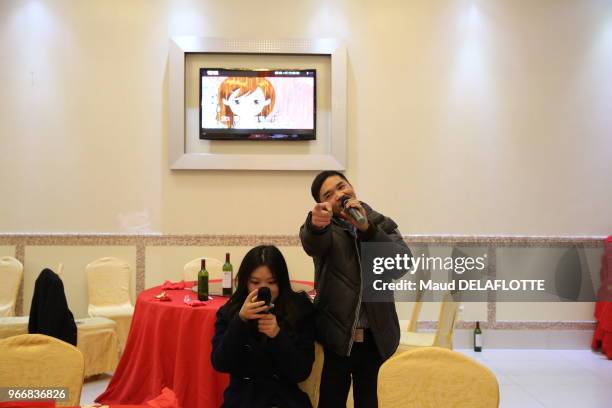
x: 228, y: 276
x: 477, y: 338
x: 203, y: 282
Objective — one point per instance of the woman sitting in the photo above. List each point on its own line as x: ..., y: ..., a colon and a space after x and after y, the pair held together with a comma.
x: 266, y: 349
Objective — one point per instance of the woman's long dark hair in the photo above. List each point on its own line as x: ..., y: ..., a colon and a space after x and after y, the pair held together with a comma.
x: 270, y: 256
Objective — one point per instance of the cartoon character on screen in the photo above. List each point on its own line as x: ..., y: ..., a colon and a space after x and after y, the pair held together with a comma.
x: 245, y: 102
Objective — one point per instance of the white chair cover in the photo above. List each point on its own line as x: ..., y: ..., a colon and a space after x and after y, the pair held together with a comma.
x: 108, y: 282
x: 213, y: 266
x: 11, y: 271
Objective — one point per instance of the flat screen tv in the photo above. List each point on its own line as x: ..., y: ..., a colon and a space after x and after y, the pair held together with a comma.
x: 244, y: 104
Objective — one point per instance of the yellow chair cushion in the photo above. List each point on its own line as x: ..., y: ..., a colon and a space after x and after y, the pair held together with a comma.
x: 36, y: 360
x: 97, y: 340
x: 312, y: 384
x: 434, y: 377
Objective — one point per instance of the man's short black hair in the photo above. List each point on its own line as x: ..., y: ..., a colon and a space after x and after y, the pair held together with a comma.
x: 318, y: 181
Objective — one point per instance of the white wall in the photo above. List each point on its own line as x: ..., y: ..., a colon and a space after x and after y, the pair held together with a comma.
x: 465, y: 117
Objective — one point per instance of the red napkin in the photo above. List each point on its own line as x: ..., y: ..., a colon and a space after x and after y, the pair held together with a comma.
x: 173, y: 286
x: 194, y: 302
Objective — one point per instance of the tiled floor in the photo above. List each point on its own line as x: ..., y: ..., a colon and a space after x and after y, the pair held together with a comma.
x: 549, y: 378
x: 94, y: 387
x: 527, y: 378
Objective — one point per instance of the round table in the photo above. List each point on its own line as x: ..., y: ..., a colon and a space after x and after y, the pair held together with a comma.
x: 169, y: 345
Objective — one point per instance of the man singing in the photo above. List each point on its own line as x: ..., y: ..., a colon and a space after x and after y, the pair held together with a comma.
x: 357, y: 336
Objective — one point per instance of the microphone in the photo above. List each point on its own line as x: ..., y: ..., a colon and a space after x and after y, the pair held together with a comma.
x: 353, y: 212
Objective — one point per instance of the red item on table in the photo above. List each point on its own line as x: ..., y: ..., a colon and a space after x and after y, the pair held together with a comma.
x: 602, y: 338
x: 173, y: 285
x: 169, y: 345
x: 163, y: 297
x: 195, y: 302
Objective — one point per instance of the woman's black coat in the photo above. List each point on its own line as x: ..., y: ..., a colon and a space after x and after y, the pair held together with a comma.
x: 265, y: 371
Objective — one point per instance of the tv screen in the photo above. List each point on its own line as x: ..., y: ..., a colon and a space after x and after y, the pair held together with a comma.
x: 240, y: 104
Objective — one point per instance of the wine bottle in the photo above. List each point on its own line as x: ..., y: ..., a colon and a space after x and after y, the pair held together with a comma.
x: 203, y: 282
x: 228, y: 276
x: 477, y: 338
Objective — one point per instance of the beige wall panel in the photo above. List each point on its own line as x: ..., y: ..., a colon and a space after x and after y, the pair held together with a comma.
x: 455, y: 109
x: 166, y: 263
x: 7, y: 250
x: 85, y: 121
x: 299, y: 263
x: 430, y: 311
x: 473, y: 311
x: 545, y: 311
x: 74, y: 258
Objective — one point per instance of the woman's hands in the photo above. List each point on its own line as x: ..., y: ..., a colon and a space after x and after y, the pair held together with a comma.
x: 252, y: 310
x: 267, y: 325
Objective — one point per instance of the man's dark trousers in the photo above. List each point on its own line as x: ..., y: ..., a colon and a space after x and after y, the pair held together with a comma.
x: 362, y: 364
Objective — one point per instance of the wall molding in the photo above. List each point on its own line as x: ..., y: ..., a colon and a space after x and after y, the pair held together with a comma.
x: 142, y: 241
x: 281, y: 239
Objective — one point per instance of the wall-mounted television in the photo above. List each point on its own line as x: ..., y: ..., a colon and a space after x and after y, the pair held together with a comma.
x: 252, y: 104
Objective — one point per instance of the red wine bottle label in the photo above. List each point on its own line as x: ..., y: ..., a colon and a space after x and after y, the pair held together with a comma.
x: 227, y: 279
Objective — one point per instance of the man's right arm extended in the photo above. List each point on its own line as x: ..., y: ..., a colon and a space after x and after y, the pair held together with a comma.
x: 315, y: 233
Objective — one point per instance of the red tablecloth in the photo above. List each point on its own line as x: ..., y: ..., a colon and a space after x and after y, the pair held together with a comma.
x: 602, y: 338
x: 169, y: 345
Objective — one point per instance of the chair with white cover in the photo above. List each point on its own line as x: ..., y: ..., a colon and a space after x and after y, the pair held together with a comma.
x: 36, y: 360
x: 13, y: 326
x: 108, y: 283
x: 97, y: 340
x: 436, y: 377
x: 11, y: 272
x: 442, y: 337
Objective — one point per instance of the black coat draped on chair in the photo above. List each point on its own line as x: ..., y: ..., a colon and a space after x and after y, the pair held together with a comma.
x: 49, y: 313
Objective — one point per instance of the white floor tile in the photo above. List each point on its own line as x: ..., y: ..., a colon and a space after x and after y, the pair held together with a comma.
x: 513, y: 396
x: 94, y: 387
x: 549, y: 378
x: 527, y: 378
x: 554, y: 396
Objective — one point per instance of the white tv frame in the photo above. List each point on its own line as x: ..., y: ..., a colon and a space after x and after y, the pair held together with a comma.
x: 179, y: 159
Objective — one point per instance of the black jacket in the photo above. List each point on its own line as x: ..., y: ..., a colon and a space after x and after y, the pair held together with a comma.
x: 265, y: 372
x: 49, y: 313
x: 335, y: 251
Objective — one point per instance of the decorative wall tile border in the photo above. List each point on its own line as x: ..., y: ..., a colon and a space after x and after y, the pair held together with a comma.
x: 147, y: 239
x: 140, y: 267
x: 142, y: 241
x: 20, y: 255
x: 491, y: 296
x: 283, y: 240
x: 506, y: 240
